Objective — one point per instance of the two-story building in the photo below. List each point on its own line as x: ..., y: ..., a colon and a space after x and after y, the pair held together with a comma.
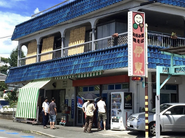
x: 71, y: 51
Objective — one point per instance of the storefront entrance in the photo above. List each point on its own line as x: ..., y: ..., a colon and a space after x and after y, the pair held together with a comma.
x: 59, y: 96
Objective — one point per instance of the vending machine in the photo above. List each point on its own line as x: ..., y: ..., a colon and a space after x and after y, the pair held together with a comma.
x: 121, y: 108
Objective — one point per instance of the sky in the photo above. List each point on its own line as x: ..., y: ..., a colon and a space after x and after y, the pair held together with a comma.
x: 14, y: 12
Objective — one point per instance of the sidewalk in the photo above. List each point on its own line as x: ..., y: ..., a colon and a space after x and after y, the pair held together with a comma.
x: 62, y: 132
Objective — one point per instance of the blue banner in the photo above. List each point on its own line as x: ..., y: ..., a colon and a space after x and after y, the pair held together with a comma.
x: 72, y: 108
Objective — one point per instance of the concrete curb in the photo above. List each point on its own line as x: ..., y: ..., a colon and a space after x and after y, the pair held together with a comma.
x: 42, y: 133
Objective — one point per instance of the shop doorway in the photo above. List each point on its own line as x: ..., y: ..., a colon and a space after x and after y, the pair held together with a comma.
x: 59, y: 96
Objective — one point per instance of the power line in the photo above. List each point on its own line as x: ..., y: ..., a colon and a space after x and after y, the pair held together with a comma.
x: 5, y: 36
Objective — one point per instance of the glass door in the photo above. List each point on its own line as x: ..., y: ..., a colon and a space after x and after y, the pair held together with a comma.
x: 80, y: 117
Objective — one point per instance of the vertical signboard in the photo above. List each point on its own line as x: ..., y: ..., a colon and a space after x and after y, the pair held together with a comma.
x: 128, y: 100
x: 72, y: 108
x: 136, y: 44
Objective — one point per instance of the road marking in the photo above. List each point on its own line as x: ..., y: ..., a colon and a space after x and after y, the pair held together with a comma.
x: 2, y: 130
x: 28, y: 136
x: 13, y: 133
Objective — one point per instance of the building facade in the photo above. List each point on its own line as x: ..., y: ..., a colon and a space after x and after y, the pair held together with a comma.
x: 71, y: 51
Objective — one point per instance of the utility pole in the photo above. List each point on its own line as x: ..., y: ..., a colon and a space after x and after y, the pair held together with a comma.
x: 146, y: 82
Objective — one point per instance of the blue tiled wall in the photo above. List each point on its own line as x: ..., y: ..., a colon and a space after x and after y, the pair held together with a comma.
x: 59, y: 15
x: 116, y: 57
x: 156, y: 58
x: 111, y: 58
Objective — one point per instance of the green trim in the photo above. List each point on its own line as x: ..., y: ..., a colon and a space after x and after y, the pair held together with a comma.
x: 82, y: 75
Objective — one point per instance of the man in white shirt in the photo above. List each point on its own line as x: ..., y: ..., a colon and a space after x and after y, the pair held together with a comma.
x: 45, y: 107
x: 84, y: 107
x: 101, y: 113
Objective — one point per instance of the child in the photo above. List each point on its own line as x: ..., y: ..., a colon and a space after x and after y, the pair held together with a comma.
x: 63, y: 121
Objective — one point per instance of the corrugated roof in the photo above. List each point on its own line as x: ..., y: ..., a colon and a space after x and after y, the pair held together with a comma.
x: 59, y: 15
x: 111, y: 58
x: 83, y: 63
x: 70, y: 11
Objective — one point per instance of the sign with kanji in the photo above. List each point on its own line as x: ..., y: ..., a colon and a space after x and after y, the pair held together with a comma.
x: 136, y: 44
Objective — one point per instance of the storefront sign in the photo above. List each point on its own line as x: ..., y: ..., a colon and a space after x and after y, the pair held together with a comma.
x: 79, y: 102
x: 128, y: 100
x: 72, y: 108
x: 136, y: 44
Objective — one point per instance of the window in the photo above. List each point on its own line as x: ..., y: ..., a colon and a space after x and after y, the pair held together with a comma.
x: 85, y: 89
x: 110, y: 87
x: 125, y: 86
x: 91, y: 88
x: 118, y: 86
x: 177, y: 110
x: 171, y: 87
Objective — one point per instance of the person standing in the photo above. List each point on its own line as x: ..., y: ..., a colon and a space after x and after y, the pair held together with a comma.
x: 52, y: 113
x: 45, y: 107
x: 89, y: 116
x: 101, y: 113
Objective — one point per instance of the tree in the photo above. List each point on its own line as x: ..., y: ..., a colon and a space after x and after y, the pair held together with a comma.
x: 14, y: 56
x: 3, y: 69
x: 12, y: 98
x: 5, y: 60
x: 3, y: 86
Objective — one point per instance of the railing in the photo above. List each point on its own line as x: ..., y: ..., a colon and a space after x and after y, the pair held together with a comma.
x: 33, y: 59
x: 102, y: 43
x: 164, y: 40
x: 111, y: 41
x: 77, y: 49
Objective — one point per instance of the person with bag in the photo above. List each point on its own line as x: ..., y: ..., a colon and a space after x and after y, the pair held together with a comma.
x: 89, y: 116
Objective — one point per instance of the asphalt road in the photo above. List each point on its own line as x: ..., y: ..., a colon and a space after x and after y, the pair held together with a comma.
x: 163, y: 135
x: 4, y: 133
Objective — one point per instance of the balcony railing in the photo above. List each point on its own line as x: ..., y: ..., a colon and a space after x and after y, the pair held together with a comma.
x: 154, y: 39
x: 164, y: 40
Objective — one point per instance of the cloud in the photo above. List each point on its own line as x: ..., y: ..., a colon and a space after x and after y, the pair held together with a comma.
x: 9, y: 3
x: 5, y: 4
x: 36, y: 10
x: 8, y: 21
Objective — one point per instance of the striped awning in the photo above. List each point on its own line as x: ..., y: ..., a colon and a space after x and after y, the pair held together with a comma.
x: 81, y: 75
x: 28, y: 99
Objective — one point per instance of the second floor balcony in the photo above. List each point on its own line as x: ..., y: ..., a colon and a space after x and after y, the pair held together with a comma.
x: 158, y: 40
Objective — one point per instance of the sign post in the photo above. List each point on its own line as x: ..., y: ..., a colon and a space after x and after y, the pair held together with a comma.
x: 137, y: 53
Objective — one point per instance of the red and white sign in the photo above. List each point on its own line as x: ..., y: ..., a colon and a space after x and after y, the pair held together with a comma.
x: 136, y: 44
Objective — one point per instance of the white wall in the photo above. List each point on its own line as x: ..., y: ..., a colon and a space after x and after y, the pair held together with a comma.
x: 134, y: 90
x: 139, y: 93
